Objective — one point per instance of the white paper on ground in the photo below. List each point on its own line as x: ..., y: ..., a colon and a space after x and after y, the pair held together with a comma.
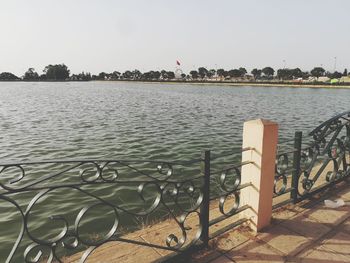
x: 334, y: 204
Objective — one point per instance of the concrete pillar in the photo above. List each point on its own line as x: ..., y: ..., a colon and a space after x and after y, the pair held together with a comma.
x: 261, y: 136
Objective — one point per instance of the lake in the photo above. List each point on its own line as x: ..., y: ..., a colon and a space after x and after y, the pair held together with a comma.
x: 136, y: 120
x: 129, y: 120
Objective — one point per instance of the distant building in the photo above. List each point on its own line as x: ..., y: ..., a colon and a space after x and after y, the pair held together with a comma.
x: 298, y: 80
x: 345, y: 79
x: 324, y: 79
x: 320, y: 79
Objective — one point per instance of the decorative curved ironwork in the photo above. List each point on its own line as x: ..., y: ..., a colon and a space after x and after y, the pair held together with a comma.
x: 227, y: 182
x: 282, y: 168
x: 162, y: 186
x: 327, y: 156
x: 305, y: 170
x: 230, y: 179
x: 155, y: 185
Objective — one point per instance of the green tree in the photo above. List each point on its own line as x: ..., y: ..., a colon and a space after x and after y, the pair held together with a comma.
x: 234, y: 73
x: 336, y: 75
x: 256, y: 73
x: 115, y: 75
x: 156, y: 74
x: 305, y: 74
x: 222, y: 73
x: 42, y: 77
x: 282, y: 74
x: 58, y: 72
x: 288, y: 74
x: 8, y: 76
x: 268, y: 72
x: 146, y: 75
x: 81, y: 77
x: 194, y: 74
x: 136, y: 74
x: 151, y: 74
x: 30, y: 74
x: 211, y: 73
x: 171, y: 75
x: 85, y: 76
x: 345, y: 73
x: 164, y: 74
x: 243, y: 71
x: 202, y: 72
x: 317, y: 72
x: 127, y: 74
x: 297, y: 73
x: 102, y: 76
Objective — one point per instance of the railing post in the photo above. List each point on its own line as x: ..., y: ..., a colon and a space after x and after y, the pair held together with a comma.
x: 261, y: 136
x: 204, y: 210
x: 296, y: 165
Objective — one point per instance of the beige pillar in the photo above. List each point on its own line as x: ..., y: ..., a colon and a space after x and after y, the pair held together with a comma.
x: 261, y: 136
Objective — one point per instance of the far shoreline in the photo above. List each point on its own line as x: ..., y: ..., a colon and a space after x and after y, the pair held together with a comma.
x: 221, y: 83
x: 242, y: 84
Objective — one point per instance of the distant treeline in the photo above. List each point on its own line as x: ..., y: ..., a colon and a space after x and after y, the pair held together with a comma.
x: 60, y: 72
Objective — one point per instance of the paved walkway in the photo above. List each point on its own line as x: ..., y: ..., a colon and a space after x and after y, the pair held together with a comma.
x: 306, y: 232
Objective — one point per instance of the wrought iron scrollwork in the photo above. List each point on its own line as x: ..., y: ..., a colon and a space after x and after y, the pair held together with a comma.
x: 304, y: 170
x: 283, y: 172
x: 157, y: 187
x: 325, y: 159
x: 282, y: 165
x: 228, y: 186
x: 230, y: 179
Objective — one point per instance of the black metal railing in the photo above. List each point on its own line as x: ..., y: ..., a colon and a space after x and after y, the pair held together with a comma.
x: 225, y: 197
x: 221, y: 193
x: 309, y: 167
x: 69, y: 208
x: 91, y: 193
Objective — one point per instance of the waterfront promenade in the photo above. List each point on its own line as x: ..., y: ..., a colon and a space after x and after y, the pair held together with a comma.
x: 305, y: 232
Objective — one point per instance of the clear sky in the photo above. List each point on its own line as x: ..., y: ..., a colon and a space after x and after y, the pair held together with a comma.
x: 108, y: 35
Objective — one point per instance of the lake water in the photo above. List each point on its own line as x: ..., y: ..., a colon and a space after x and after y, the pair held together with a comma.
x: 135, y: 120
x: 125, y: 120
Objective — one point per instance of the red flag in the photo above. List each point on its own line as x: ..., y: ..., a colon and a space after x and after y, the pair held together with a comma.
x: 178, y: 62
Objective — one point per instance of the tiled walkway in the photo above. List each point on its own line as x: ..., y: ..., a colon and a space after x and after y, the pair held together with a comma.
x: 308, y: 232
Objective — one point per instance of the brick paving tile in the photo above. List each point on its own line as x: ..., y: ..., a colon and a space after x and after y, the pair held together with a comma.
x: 284, y: 240
x: 344, y: 194
x: 321, y: 254
x: 229, y: 240
x: 306, y: 226
x: 116, y: 252
x: 158, y: 237
x: 339, y: 243
x: 205, y: 255
x: 329, y: 216
x: 345, y: 227
x: 283, y: 213
x: 255, y: 251
x: 222, y: 259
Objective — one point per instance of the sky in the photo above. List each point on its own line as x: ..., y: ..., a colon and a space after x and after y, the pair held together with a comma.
x: 108, y: 35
